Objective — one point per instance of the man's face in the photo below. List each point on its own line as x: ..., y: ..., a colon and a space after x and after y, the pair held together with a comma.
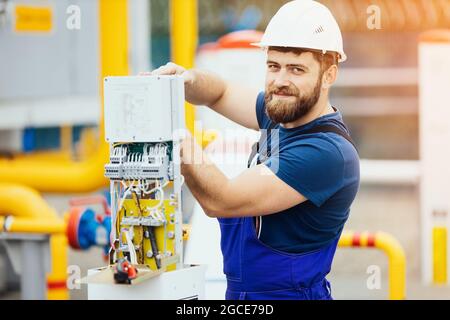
x: 293, y: 85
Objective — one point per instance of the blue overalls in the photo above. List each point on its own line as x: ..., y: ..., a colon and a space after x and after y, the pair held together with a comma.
x: 256, y: 271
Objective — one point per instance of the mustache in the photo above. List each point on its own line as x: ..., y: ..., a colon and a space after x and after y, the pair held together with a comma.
x: 291, y: 90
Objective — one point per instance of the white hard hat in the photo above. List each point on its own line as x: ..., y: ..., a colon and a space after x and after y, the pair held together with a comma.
x: 304, y: 24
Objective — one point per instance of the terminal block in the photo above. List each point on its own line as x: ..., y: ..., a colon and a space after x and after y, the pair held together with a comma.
x: 140, y: 161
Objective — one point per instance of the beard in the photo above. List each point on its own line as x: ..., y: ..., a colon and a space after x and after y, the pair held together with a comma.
x: 280, y: 111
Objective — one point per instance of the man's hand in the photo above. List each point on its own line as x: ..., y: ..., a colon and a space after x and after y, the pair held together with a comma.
x: 172, y: 69
x: 203, y: 88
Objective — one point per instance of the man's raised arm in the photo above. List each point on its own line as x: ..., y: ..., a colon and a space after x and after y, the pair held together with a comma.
x: 235, y: 102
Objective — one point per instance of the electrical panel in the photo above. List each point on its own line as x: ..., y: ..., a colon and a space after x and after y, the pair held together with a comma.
x: 142, y: 118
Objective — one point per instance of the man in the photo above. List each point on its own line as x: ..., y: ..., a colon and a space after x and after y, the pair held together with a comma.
x: 281, y: 219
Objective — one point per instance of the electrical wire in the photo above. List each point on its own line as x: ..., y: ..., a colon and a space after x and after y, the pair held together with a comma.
x: 151, y: 154
x: 121, y: 202
x: 131, y: 248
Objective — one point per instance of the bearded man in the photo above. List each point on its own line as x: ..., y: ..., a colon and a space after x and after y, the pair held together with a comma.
x: 281, y: 219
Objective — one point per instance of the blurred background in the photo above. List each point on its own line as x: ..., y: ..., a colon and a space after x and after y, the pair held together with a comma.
x: 392, y: 92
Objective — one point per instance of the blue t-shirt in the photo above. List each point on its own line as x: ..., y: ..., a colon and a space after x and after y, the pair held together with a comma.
x: 323, y: 167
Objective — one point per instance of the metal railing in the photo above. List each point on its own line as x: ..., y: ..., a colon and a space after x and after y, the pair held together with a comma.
x: 393, y: 250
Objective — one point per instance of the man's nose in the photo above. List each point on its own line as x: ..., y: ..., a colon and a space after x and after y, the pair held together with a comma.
x: 281, y: 79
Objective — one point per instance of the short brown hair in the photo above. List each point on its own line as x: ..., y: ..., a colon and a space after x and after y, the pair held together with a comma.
x: 326, y: 60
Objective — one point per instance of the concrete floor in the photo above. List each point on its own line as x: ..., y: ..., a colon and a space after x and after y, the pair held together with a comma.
x: 390, y: 209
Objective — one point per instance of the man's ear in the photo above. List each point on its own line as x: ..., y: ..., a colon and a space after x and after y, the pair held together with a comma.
x: 329, y: 77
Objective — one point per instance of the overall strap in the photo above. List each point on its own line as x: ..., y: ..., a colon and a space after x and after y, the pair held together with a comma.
x: 256, y: 145
x: 333, y: 129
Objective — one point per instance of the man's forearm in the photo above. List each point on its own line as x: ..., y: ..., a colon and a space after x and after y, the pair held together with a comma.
x: 206, y: 88
x: 207, y: 184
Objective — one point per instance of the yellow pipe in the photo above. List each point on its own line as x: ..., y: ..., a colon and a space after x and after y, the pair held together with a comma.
x: 22, y: 210
x: 346, y: 239
x: 11, y: 223
x: 397, y: 264
x: 20, y: 201
x: 88, y: 143
x: 184, y: 40
x: 394, y: 251
x: 439, y: 255
x: 58, y: 176
x: 42, y: 156
x: 57, y: 279
x: 66, y: 137
x: 113, y: 38
x: 55, y: 175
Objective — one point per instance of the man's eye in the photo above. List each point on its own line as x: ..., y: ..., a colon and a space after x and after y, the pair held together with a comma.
x: 298, y: 70
x: 272, y: 67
